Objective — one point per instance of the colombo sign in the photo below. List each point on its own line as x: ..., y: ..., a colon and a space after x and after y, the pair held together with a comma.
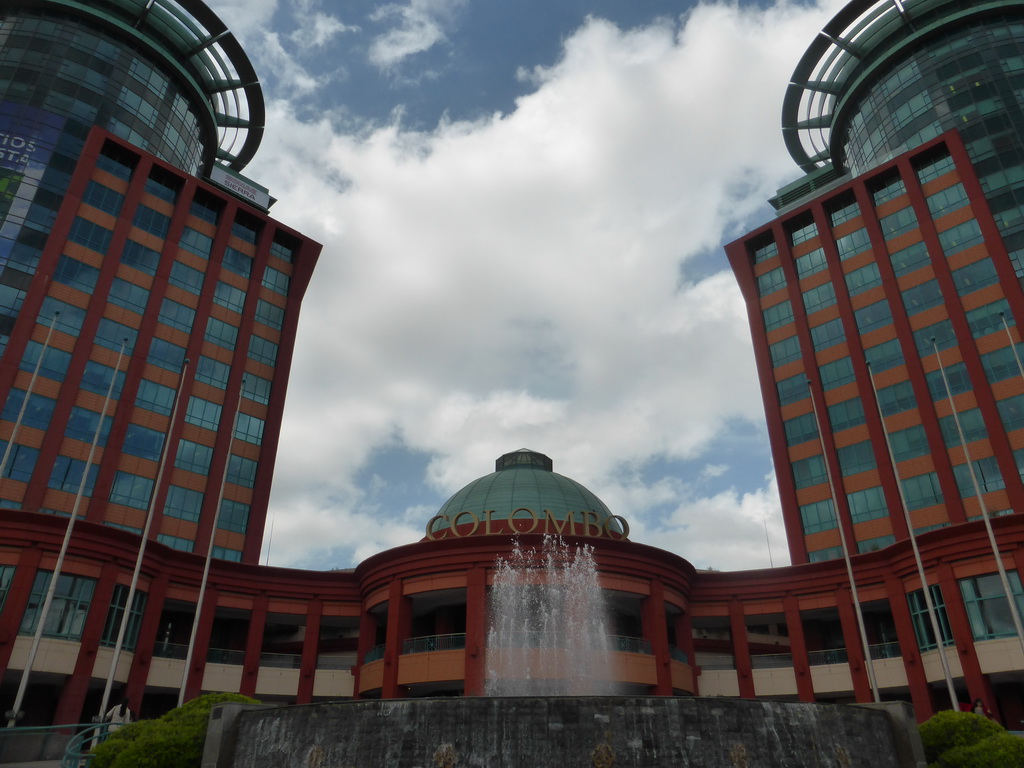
x: 524, y: 520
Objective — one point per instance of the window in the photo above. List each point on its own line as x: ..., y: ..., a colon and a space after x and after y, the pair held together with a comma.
x: 888, y: 189
x: 196, y: 242
x: 82, y: 425
x: 165, y: 189
x: 810, y: 263
x: 55, y: 361
x: 922, y: 297
x: 212, y: 372
x: 244, y: 230
x: 237, y: 262
x: 98, y: 378
x: 820, y: 297
x: 976, y: 276
x: 92, y: 236
x: 986, y: 472
x: 70, y: 317
x: 960, y: 238
x: 177, y: 315
x: 898, y: 223
x: 875, y: 544
x: 121, y: 166
x: 884, y: 356
x: 228, y: 296
x: 183, y: 503
x: 67, y: 475
x: 818, y: 516
x: 847, y: 414
x: 853, y: 243
x: 843, y: 210
x: 897, y: 398
x: 262, y: 350
x: 771, y: 281
x: 220, y: 333
x: 273, y: 315
x: 863, y: 279
x: 193, y: 457
x: 956, y: 375
x: 791, y: 390
x: 37, y: 411
x: 283, y: 251
x: 1011, y: 412
x: 164, y: 354
x: 821, y: 555
x: 186, y: 278
x: 922, y: 491
x: 941, y: 332
x: 203, y: 413
x: 785, y: 351
x: 909, y: 443
x: 922, y: 621
x: 987, y: 607
x: 242, y: 471
x: 909, y: 259
x: 68, y: 609
x: 972, y: 424
x: 809, y: 471
x: 868, y: 504
x: 175, y: 542
x: 278, y: 281
x: 947, y: 200
x: 800, y: 429
x: 764, y: 252
x: 802, y: 231
x: 249, y: 429
x: 114, y: 335
x: 774, y: 317
x: 131, y: 490
x: 836, y: 373
x: 1001, y: 364
x: 143, y: 442
x: 859, y: 457
x: 873, y: 316
x: 257, y: 388
x: 75, y: 273
x: 6, y: 576
x: 224, y: 553
x: 21, y: 463
x: 155, y: 397
x: 989, y: 318
x: 115, y: 615
x: 828, y: 334
x: 151, y: 221
x: 128, y: 295
x: 140, y: 257
x: 207, y: 210
x: 234, y: 516
x: 934, y: 167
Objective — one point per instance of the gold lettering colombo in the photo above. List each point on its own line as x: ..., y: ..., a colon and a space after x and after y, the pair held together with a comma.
x: 525, y: 520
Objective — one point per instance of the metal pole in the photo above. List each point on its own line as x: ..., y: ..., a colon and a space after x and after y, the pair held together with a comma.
x: 9, y: 450
x: 209, y: 553
x: 925, y: 588
x: 15, y: 712
x: 150, y: 514
x: 869, y: 662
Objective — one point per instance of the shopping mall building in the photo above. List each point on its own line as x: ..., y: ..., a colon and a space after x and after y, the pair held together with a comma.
x: 149, y: 307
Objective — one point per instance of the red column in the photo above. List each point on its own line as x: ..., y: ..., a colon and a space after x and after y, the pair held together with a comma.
x: 194, y: 683
x: 76, y: 686
x: 17, y: 601
x: 254, y: 646
x: 977, y: 683
x: 399, y: 626
x: 798, y: 649
x: 684, y: 641
x: 920, y: 694
x: 367, y: 639
x: 149, y: 632
x: 476, y: 631
x: 310, y: 651
x: 656, y: 632
x: 854, y: 646
x: 741, y: 649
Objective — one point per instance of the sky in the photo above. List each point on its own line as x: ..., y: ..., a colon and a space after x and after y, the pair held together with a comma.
x: 522, y: 207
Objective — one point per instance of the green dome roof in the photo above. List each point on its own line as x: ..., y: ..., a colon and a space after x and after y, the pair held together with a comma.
x: 523, y: 480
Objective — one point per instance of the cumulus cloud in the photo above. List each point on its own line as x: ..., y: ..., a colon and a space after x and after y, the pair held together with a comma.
x: 419, y: 26
x: 529, y: 279
x: 317, y: 29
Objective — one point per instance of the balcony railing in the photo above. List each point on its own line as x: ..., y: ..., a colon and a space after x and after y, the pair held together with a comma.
x: 224, y: 656
x: 829, y: 656
x: 281, y: 660
x: 885, y: 651
x: 336, y: 662
x: 377, y: 652
x: 434, y: 643
x: 678, y: 654
x: 629, y: 644
x: 771, y: 660
x: 170, y: 650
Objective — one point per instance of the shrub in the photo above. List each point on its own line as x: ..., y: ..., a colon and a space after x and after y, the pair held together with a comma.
x: 948, y: 730
x: 1004, y: 750
x: 172, y: 741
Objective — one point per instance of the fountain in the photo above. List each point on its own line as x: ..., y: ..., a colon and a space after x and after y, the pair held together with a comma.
x: 548, y: 626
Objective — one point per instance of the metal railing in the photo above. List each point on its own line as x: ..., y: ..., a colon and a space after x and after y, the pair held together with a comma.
x: 281, y: 660
x: 429, y: 643
x: 629, y: 644
x: 336, y: 662
x: 711, y: 665
x: 32, y: 744
x: 78, y: 752
x: 829, y: 656
x: 885, y: 651
x: 771, y: 660
x: 678, y: 654
x: 377, y: 652
x: 170, y: 650
x: 225, y: 656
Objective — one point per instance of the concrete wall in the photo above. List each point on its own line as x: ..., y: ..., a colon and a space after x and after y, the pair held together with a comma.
x: 624, y: 732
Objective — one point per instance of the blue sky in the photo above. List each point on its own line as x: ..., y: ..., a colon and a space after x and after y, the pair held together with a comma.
x: 522, y: 206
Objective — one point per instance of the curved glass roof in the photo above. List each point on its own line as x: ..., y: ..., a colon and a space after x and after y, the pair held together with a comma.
x: 195, y: 45
x: 848, y: 54
x: 523, y: 479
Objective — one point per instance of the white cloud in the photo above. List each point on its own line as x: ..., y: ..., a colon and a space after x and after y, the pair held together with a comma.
x: 318, y: 29
x: 522, y: 280
x: 420, y: 26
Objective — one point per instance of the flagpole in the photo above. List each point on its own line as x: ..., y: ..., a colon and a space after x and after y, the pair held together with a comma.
x: 209, y: 552
x: 869, y: 662
x: 150, y: 514
x: 925, y: 588
x: 15, y: 712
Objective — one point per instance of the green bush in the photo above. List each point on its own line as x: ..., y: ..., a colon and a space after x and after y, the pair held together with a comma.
x: 951, y: 730
x: 1004, y: 750
x: 172, y: 741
